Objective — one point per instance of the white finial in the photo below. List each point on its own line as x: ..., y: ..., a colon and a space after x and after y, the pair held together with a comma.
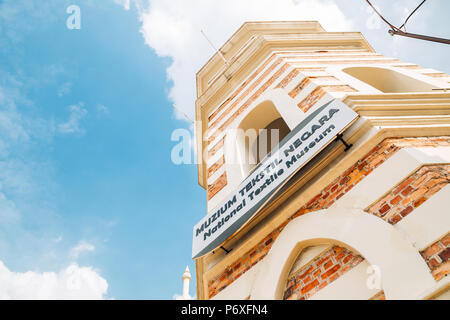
x: 186, y: 280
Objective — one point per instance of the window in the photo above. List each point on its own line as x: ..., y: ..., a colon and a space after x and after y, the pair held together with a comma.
x: 387, y: 80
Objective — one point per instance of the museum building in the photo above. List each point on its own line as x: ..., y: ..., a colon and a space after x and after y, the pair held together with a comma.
x: 351, y: 197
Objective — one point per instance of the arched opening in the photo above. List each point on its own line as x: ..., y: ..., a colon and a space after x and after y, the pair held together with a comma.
x: 259, y: 133
x: 388, y: 80
x: 269, y: 138
x: 317, y: 269
x: 377, y: 241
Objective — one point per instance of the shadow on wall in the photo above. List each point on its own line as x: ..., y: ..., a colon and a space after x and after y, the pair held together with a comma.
x: 387, y: 80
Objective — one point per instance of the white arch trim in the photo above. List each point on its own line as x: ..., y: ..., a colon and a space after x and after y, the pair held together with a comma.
x: 283, y: 104
x: 405, y: 274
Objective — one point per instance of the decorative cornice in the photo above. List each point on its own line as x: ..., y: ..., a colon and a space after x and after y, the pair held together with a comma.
x: 216, y: 75
x: 244, y: 36
x: 253, y: 43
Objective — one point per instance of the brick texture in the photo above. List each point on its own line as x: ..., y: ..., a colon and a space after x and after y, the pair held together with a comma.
x: 293, y: 74
x: 216, y: 147
x: 411, y: 193
x: 247, y: 91
x: 257, y: 79
x: 311, y: 99
x: 379, y: 296
x: 253, y: 97
x: 320, y: 272
x: 437, y: 257
x: 288, y: 79
x: 323, y: 200
x: 307, y: 104
x: 216, y: 166
x: 217, y: 185
x: 241, y: 87
x: 262, y: 72
x: 299, y: 87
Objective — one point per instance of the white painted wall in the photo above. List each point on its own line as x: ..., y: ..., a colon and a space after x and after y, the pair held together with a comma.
x: 394, y: 249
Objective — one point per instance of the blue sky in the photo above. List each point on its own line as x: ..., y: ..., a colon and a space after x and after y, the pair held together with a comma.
x: 105, y: 178
x: 87, y: 186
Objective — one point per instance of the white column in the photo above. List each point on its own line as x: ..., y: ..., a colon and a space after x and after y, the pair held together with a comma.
x: 186, y: 280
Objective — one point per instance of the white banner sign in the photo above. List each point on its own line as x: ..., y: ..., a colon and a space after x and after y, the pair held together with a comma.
x: 295, y: 150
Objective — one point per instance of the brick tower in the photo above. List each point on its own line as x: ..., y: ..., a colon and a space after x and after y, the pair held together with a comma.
x: 355, y: 203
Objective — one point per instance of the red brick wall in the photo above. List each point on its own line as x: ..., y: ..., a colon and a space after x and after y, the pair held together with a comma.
x: 251, y: 88
x: 320, y: 272
x: 311, y: 99
x: 305, y: 105
x: 322, y: 200
x: 221, y: 182
x: 254, y: 96
x: 216, y: 147
x: 411, y: 193
x: 242, y: 93
x: 217, y: 185
x: 284, y: 82
x: 288, y: 79
x: 437, y: 257
x: 299, y: 87
x: 258, y: 78
x: 216, y: 166
x: 241, y: 87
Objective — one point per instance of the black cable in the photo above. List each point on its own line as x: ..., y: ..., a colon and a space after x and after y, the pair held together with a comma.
x: 397, y: 31
x: 403, y: 25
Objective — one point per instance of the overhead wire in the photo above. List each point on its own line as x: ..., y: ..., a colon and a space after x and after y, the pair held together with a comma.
x: 404, y: 23
x: 397, y: 31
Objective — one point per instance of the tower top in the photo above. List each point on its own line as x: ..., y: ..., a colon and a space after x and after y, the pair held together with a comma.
x: 251, y: 45
x: 252, y: 37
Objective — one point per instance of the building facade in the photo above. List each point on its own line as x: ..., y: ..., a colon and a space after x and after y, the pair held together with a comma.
x: 368, y: 216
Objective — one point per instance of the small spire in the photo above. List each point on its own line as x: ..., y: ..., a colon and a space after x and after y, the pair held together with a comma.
x: 186, y: 280
x: 186, y: 274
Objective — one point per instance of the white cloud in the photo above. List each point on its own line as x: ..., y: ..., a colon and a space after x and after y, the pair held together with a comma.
x: 64, y: 89
x: 102, y: 110
x: 77, y: 113
x: 26, y: 184
x: 172, y: 29
x: 73, y: 282
x: 80, y: 248
x: 13, y: 125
